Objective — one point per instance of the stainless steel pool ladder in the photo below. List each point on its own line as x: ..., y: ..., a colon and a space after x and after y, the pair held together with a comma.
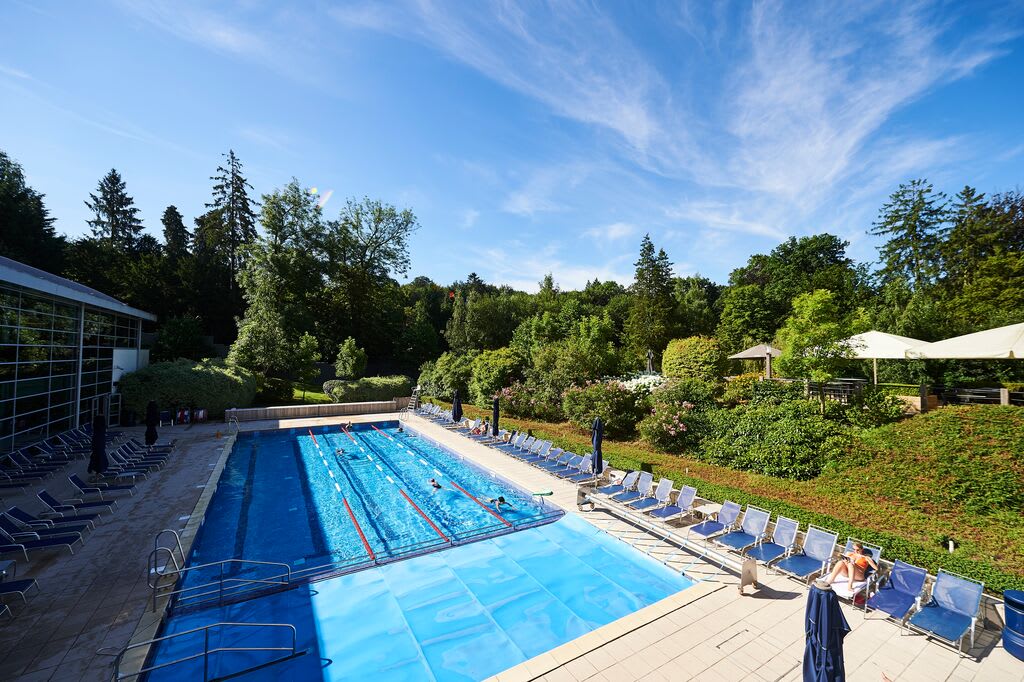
x: 214, y: 589
x: 292, y: 651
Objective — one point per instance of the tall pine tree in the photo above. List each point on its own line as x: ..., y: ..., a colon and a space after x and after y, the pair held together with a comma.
x: 26, y: 227
x: 914, y: 221
x: 176, y: 235
x: 232, y: 205
x: 116, y: 219
x: 649, y: 325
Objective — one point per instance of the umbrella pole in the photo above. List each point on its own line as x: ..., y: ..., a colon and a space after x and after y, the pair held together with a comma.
x: 874, y: 370
x: 768, y: 365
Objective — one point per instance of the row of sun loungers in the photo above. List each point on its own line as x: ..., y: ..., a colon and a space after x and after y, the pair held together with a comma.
x: 948, y: 610
x: 64, y: 523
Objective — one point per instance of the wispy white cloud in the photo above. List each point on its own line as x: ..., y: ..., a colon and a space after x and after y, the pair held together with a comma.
x: 199, y: 24
x: 538, y: 194
x: 612, y: 232
x: 14, y: 73
x: 524, y: 267
x: 468, y: 218
x: 267, y: 137
x: 721, y: 216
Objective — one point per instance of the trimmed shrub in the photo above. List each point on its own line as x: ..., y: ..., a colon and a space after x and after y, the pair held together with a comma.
x: 673, y: 428
x: 677, y: 392
x: 492, y: 370
x: 274, y: 391
x: 211, y: 384
x: 425, y: 382
x: 790, y: 440
x: 740, y: 389
x: 696, y: 357
x: 368, y: 389
x: 618, y: 407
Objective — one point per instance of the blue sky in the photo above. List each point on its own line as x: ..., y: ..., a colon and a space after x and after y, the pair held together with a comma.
x: 528, y: 138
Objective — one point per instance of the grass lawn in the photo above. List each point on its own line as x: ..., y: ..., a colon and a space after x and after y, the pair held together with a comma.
x: 955, y: 473
x: 313, y: 396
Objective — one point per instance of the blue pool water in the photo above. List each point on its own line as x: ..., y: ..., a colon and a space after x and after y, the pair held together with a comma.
x: 502, y: 588
x: 461, y: 614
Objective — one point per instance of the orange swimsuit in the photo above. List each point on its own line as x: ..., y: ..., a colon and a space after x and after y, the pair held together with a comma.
x: 859, y: 560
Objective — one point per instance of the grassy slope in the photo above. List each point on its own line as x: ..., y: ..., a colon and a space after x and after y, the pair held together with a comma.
x: 956, y: 472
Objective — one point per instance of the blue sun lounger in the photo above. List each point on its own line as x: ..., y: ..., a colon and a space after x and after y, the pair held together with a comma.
x: 74, y: 505
x: 642, y: 488
x: 56, y: 519
x: 99, y: 488
x: 952, y: 610
x: 723, y: 521
x: 10, y: 526
x: 27, y: 541
x: 558, y: 463
x: 819, y: 545
x: 783, y: 539
x: 657, y: 498
x: 900, y: 592
x: 751, y: 531
x: 627, y: 482
x: 18, y: 587
x: 681, y: 507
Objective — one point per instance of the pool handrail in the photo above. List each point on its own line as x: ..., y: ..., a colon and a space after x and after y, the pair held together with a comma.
x: 205, y: 655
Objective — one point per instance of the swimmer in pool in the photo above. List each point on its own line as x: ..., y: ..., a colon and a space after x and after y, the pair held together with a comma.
x: 499, y: 501
x: 339, y: 451
x: 400, y: 429
x: 435, y: 483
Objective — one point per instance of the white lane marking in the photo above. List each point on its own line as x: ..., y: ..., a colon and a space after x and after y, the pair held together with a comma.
x: 378, y: 468
x: 369, y: 457
x: 438, y: 472
x: 389, y: 479
x: 337, y: 487
x: 424, y: 462
x: 330, y: 473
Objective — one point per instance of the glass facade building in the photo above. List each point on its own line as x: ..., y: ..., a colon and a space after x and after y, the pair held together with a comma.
x: 62, y: 348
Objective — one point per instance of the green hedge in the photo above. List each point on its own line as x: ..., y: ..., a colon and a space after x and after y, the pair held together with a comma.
x: 695, y: 357
x: 368, y: 389
x: 211, y: 384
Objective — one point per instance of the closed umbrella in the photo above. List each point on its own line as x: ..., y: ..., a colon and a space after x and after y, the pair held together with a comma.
x: 495, y: 413
x: 597, y: 434
x: 456, y: 408
x: 98, y: 458
x: 152, y: 419
x: 825, y: 627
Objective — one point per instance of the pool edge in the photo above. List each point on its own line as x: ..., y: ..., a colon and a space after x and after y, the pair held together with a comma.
x: 151, y: 621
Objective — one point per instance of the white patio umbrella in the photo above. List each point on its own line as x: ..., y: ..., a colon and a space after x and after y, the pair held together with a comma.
x: 761, y: 351
x: 1000, y: 343
x: 875, y: 345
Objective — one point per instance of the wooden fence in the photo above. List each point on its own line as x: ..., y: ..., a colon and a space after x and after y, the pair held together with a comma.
x: 320, y: 410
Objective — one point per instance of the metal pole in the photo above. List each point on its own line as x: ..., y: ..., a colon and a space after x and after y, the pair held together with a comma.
x: 768, y: 365
x: 81, y: 353
x: 874, y: 370
x: 206, y: 654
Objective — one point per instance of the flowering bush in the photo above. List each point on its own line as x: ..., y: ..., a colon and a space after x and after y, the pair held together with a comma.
x: 641, y: 384
x: 672, y: 428
x: 526, y: 400
x: 618, y: 407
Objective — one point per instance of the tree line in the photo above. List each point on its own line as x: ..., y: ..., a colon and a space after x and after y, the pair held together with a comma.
x: 265, y: 273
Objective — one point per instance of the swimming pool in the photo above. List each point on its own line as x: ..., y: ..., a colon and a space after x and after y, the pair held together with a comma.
x: 505, y: 586
x: 351, y: 497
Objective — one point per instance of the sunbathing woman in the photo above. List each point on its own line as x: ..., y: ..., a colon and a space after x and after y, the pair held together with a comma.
x: 853, y: 565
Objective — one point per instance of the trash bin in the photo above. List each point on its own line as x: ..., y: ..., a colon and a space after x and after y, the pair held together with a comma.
x: 1013, y: 633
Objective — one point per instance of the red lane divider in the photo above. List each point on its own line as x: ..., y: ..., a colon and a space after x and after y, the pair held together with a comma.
x: 427, y: 518
x: 314, y: 437
x: 348, y: 434
x: 486, y: 508
x: 359, y: 530
x: 381, y: 432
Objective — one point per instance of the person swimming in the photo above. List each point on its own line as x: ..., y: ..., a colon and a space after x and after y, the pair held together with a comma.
x: 434, y: 483
x: 339, y: 451
x: 499, y: 501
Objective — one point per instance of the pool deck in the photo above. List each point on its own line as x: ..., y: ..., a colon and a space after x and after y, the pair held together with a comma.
x: 98, y: 598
